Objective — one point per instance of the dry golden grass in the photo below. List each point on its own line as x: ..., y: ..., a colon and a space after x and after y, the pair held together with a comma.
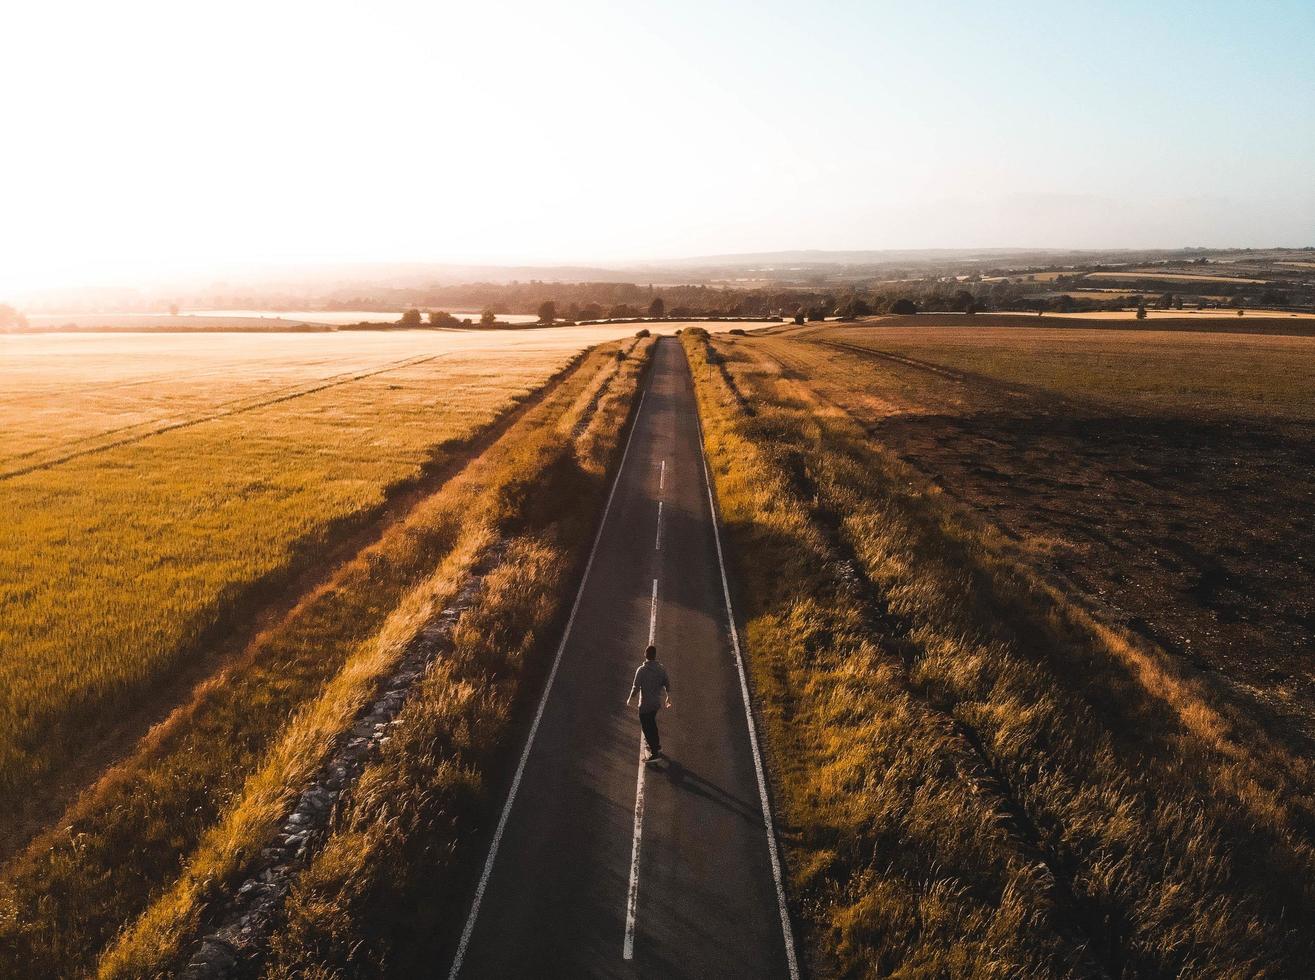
x: 1246, y: 374
x: 269, y: 793
x: 1185, y: 517
x: 463, y: 704
x: 71, y: 890
x: 977, y: 777
x: 159, y: 486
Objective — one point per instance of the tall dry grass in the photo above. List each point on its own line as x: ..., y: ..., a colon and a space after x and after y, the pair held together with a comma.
x: 978, y: 778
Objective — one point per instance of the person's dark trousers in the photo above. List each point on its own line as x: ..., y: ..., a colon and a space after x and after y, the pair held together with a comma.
x: 648, y: 722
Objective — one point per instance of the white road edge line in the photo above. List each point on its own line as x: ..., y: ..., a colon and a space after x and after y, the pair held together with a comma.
x: 632, y: 894
x: 538, y: 714
x: 657, y: 543
x: 786, y: 930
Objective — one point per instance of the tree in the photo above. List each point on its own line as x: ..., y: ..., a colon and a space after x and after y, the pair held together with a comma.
x: 173, y: 309
x: 547, y: 312
x: 488, y: 318
x: 963, y: 301
x: 854, y: 306
x: 799, y: 315
x: 411, y: 318
x: 1066, y: 303
x: 11, y: 319
x: 657, y: 308
x: 903, y: 307
x: 1141, y: 310
x: 438, y: 318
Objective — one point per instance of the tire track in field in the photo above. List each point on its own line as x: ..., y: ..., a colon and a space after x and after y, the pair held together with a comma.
x: 333, y: 381
x: 37, y: 394
x: 913, y: 362
x: 68, y: 444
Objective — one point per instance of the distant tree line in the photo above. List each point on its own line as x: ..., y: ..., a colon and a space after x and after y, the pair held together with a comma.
x: 554, y: 302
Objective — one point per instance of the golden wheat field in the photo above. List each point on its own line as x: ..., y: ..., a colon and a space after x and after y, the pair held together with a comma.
x: 153, y: 481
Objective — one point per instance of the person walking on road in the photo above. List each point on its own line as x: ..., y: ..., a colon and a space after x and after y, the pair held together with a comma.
x: 654, y: 688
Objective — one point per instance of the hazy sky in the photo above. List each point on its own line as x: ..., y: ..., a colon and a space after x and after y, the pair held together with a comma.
x: 170, y: 136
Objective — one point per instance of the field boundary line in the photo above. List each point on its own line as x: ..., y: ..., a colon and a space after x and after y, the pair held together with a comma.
x: 487, y: 872
x: 67, y: 446
x: 188, y: 423
x: 773, y: 851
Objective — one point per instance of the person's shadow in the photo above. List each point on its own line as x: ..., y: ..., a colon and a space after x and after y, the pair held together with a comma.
x: 688, y: 781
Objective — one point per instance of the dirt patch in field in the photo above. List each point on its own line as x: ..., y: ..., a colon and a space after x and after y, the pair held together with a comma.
x: 1197, y: 532
x: 1200, y: 531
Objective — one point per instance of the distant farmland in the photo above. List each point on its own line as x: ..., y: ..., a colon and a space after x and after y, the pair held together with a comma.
x: 1154, y: 275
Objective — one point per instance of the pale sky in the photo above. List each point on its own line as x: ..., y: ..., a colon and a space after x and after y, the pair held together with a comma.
x: 152, y: 138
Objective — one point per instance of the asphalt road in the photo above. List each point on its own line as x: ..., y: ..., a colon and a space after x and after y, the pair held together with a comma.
x: 584, y: 881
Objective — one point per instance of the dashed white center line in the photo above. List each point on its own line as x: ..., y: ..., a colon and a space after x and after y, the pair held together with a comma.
x: 652, y: 615
x: 657, y: 544
x: 662, y: 476
x: 632, y: 899
x: 632, y: 895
